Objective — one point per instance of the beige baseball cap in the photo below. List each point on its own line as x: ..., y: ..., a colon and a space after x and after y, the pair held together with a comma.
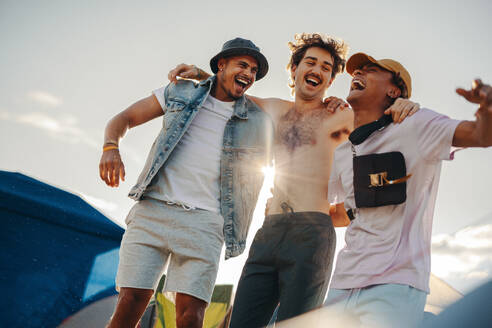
x: 360, y: 59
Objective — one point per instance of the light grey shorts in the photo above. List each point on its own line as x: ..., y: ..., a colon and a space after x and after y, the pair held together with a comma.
x: 381, y: 306
x: 191, y: 240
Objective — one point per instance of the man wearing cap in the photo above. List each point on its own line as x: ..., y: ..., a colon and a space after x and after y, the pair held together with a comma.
x: 387, y: 177
x: 198, y: 187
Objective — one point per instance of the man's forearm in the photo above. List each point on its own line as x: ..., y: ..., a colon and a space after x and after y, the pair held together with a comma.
x: 484, y: 125
x: 116, y: 129
x: 140, y: 112
x: 201, y: 75
x: 475, y: 133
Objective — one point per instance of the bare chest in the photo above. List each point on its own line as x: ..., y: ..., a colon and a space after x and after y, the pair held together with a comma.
x: 295, y: 130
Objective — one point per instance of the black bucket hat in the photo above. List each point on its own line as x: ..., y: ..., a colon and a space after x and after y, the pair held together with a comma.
x: 240, y: 47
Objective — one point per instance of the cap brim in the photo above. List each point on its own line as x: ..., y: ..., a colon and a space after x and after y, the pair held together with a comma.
x: 262, y: 61
x: 357, y: 61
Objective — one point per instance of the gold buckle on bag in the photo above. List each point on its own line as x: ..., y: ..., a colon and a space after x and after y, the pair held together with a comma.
x: 381, y: 179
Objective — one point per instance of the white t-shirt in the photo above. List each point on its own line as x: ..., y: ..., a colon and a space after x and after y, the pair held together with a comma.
x: 391, y: 244
x: 192, y: 173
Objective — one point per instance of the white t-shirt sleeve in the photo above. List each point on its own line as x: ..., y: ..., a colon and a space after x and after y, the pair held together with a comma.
x: 159, y: 94
x: 434, y: 133
x: 336, y: 194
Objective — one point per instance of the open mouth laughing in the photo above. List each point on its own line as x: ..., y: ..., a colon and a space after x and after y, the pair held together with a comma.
x: 357, y: 84
x: 313, y: 80
x: 242, y: 82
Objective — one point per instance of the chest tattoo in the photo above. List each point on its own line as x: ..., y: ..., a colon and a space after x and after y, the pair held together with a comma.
x: 298, y: 129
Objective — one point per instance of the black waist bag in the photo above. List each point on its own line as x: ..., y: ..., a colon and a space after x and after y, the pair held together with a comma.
x: 380, y: 179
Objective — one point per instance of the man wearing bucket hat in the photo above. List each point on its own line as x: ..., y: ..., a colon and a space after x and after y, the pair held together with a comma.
x: 386, y: 177
x: 198, y: 187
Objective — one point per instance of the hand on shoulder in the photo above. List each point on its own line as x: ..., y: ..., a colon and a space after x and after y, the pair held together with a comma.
x: 333, y: 104
x: 401, y: 109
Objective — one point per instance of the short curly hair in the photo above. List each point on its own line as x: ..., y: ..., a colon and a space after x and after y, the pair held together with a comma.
x: 303, y: 41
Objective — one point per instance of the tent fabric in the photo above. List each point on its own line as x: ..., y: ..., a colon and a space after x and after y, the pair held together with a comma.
x: 441, y: 295
x: 472, y: 310
x: 59, y: 254
x: 30, y: 197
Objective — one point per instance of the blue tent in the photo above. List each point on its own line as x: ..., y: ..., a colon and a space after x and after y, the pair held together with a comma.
x: 58, y: 254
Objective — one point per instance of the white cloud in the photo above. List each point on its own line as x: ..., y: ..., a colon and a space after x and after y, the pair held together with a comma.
x: 63, y: 127
x: 41, y: 121
x: 465, y: 257
x: 473, y: 240
x: 44, y: 98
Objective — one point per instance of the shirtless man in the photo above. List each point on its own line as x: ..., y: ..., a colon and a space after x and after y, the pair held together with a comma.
x: 291, y: 256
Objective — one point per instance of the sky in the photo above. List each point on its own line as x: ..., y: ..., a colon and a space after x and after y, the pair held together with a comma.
x: 69, y: 66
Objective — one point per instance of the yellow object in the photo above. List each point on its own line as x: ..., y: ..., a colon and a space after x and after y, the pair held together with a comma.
x: 215, y: 314
x: 381, y: 179
x: 110, y: 147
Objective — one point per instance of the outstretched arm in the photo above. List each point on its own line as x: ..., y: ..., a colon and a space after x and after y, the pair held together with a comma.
x: 476, y: 133
x: 111, y: 168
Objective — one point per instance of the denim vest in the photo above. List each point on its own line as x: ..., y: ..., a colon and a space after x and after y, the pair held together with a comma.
x: 247, y: 147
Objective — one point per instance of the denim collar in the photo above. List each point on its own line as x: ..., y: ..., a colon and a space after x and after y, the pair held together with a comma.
x: 240, y: 109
